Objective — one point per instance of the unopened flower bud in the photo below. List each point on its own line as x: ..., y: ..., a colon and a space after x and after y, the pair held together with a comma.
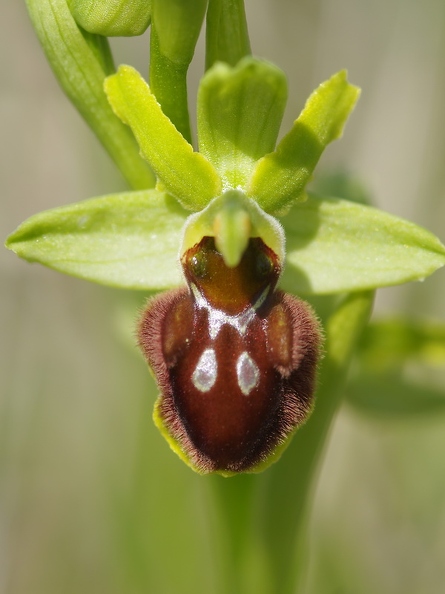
x: 112, y: 18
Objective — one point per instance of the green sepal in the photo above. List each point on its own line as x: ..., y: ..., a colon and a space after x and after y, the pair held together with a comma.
x: 397, y: 362
x: 127, y: 240
x: 239, y: 115
x: 336, y: 245
x: 232, y: 219
x: 80, y: 64
x: 131, y: 240
x: 185, y: 174
x: 112, y: 18
x: 280, y: 177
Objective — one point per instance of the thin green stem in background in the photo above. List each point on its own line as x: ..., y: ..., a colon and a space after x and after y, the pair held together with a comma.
x: 168, y: 81
x: 80, y: 63
x: 227, y: 37
x: 174, y: 32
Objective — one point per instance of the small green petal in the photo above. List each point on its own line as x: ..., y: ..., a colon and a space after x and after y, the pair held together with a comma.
x: 187, y: 175
x: 127, y: 240
x: 239, y: 115
x: 335, y: 245
x: 280, y: 177
x: 112, y: 17
x: 232, y: 219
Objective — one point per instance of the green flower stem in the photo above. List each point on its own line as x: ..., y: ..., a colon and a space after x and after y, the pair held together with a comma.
x: 227, y: 37
x: 73, y: 56
x: 233, y: 531
x: 168, y: 81
x: 175, y: 29
x: 290, y: 483
x: 263, y: 516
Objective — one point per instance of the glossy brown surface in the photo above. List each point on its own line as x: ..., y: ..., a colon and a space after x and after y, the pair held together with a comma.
x: 231, y: 289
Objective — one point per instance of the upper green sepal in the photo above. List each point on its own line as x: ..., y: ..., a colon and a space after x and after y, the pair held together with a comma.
x: 112, y: 18
x: 280, y: 177
x: 239, y: 115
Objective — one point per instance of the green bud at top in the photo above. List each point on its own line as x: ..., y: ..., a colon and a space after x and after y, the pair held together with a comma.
x: 178, y: 24
x: 112, y: 18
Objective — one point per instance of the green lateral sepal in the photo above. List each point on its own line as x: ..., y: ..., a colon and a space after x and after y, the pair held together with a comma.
x: 336, y: 245
x: 127, y: 240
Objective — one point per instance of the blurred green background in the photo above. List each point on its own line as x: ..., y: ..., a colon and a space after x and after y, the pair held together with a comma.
x: 91, y: 499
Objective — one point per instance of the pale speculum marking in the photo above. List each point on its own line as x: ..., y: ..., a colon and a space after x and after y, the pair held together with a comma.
x: 247, y: 373
x: 204, y: 376
x: 218, y: 317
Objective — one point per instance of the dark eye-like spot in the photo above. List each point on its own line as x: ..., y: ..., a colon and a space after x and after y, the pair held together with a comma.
x: 198, y: 264
x: 263, y: 265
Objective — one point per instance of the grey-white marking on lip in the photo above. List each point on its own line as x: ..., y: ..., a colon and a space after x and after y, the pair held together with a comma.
x: 206, y: 370
x: 247, y: 373
x: 217, y: 317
